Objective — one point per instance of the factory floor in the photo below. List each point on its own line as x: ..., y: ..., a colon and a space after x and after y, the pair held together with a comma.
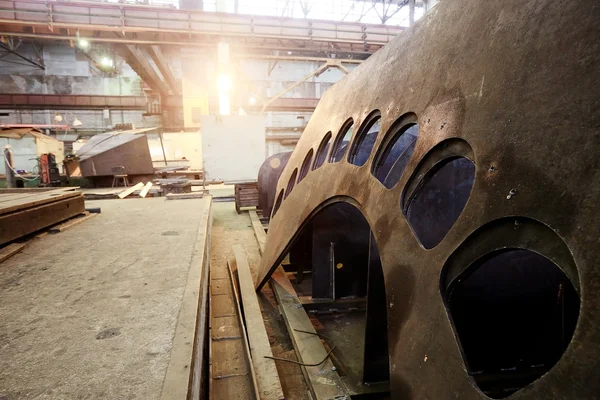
x: 91, y: 312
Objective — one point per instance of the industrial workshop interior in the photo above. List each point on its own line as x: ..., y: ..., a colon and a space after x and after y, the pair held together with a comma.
x: 299, y: 199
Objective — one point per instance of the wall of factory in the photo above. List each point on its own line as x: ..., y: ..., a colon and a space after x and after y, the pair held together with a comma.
x: 26, y: 151
x: 70, y: 71
x: 254, y: 80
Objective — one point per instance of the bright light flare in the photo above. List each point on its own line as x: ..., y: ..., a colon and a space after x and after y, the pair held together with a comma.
x: 224, y: 83
x: 83, y: 43
x: 107, y: 62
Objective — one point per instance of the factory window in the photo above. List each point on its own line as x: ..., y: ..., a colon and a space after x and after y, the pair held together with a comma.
x: 439, y: 199
x: 305, y: 165
x: 514, y: 312
x: 322, y: 151
x: 341, y: 141
x: 291, y: 182
x: 365, y: 139
x: 396, y: 150
x: 277, y: 203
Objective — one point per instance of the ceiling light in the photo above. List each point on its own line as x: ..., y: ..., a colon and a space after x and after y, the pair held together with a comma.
x: 252, y: 100
x: 58, y: 117
x: 107, y: 62
x: 289, y: 53
x: 83, y: 43
x: 76, y: 122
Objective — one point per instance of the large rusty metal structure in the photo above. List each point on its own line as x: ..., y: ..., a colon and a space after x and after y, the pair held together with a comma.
x: 453, y: 180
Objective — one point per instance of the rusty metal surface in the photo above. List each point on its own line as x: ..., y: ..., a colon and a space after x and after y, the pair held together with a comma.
x: 511, y: 86
x: 268, y: 175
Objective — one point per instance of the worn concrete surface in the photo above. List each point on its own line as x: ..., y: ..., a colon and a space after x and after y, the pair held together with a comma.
x: 90, y: 313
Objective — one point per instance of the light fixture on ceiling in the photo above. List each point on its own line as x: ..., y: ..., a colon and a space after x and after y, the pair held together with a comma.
x: 107, y: 62
x: 58, y: 117
x: 252, y: 100
x: 83, y: 43
x: 76, y: 122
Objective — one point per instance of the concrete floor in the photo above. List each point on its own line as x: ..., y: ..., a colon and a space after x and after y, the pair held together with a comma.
x: 90, y: 313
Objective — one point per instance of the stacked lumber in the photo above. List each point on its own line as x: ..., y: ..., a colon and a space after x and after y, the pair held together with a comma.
x: 24, y: 211
x: 246, y: 195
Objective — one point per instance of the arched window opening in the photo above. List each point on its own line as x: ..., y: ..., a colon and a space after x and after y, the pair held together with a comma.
x: 342, y: 141
x: 322, y: 151
x: 305, y: 165
x: 439, y: 199
x: 396, y: 150
x: 514, y: 312
x: 291, y: 183
x: 365, y: 139
x: 277, y: 203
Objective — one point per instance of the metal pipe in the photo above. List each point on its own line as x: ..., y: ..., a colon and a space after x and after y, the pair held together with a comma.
x: 11, y: 182
x: 150, y: 42
x: 294, y: 58
x: 49, y: 126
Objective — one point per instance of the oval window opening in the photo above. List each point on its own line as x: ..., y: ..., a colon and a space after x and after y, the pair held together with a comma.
x: 397, y: 150
x: 291, y: 183
x: 438, y: 202
x: 277, y: 203
x: 322, y: 151
x: 305, y: 165
x: 342, y: 141
x: 514, y: 312
x: 365, y: 139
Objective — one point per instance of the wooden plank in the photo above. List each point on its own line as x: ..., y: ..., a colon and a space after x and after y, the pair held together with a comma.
x: 231, y: 262
x: 323, y: 381
x: 146, y: 189
x: 72, y: 222
x: 259, y: 231
x: 184, y: 196
x: 188, y: 343
x: 269, y: 385
x: 24, y: 222
x: 10, y: 250
x: 32, y: 200
x: 130, y: 190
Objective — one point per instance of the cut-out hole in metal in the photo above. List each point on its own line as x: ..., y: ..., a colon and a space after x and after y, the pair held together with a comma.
x: 338, y: 248
x: 305, y: 165
x: 365, y: 139
x: 277, y: 203
x: 322, y: 151
x: 439, y: 200
x: 514, y: 312
x: 291, y: 183
x: 341, y: 141
x: 396, y: 150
